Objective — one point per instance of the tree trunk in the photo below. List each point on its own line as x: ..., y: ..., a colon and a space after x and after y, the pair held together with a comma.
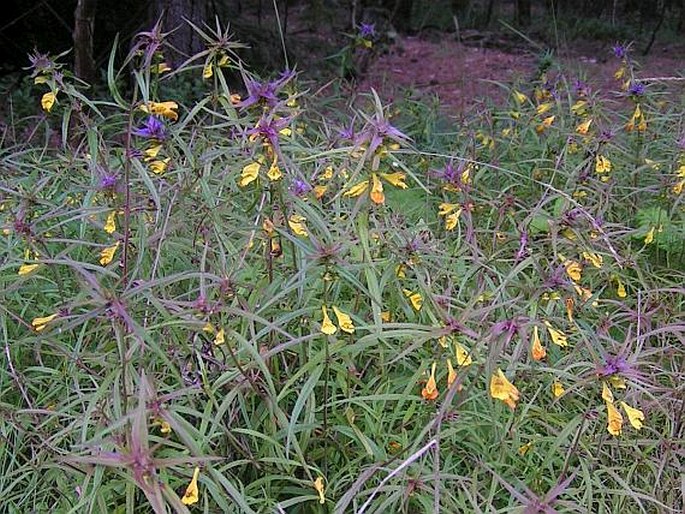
x: 84, y: 21
x: 173, y: 13
x: 523, y: 13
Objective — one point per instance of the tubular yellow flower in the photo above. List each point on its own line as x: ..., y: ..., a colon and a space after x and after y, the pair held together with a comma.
x: 296, y: 224
x: 620, y: 289
x: 557, y: 389
x: 274, y: 172
x: 344, y: 321
x: 593, y: 258
x: 615, y: 420
x: 519, y: 97
x: 192, y: 494
x: 607, y: 395
x: 649, y: 238
x: 584, y: 127
x: 165, y: 109
x: 415, y: 298
x: 635, y: 416
x: 617, y: 382
x: 220, y: 337
x: 327, y: 326
x: 543, y: 108
x: 558, y: 337
x: 25, y: 269
x: 537, y: 350
x: 602, y: 165
x: 579, y: 108
x: 451, y: 374
x: 401, y: 271
x: 377, y: 195
x: 208, y: 71
x: 502, y: 389
x: 48, y: 100
x: 569, y: 308
x: 573, y: 270
x: 637, y: 121
x: 107, y: 254
x: 159, y: 166
x: 357, y: 189
x: 111, y: 224
x: 463, y: 355
x: 249, y: 174
x: 451, y: 220
x: 40, y: 323
x: 525, y: 448
x: 320, y: 190
x: 545, y: 124
x: 396, y: 179
x: 318, y: 485
x: 445, y: 208
x: 430, y: 390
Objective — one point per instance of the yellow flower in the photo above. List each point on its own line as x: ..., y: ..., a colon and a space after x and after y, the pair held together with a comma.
x: 39, y: 324
x: 445, y: 208
x: 543, y: 108
x: 208, y: 71
x: 152, y: 152
x: 558, y: 337
x: 319, y: 191
x: 557, y: 389
x: 617, y: 381
x: 545, y: 124
x: 386, y: 316
x: 164, y: 427
x: 159, y: 166
x: 579, y: 108
x: 401, y: 271
x: 678, y: 187
x: 620, y: 289
x: 594, y: 258
x: 649, y: 238
x: 344, y: 321
x: 220, y: 337
x: 192, y: 494
x: 249, y: 174
x: 573, y: 270
x: 607, y: 395
x: 327, y: 173
x: 208, y: 328
x: 537, y: 350
x: 602, y: 165
x: 637, y: 121
x: 635, y: 416
x: 25, y: 269
x: 107, y: 254
x: 396, y: 179
x: 430, y: 390
x: 502, y: 389
x: 357, y: 189
x: 520, y: 97
x: 615, y: 421
x: 415, y: 298
x: 327, y: 326
x: 569, y: 308
x: 166, y: 109
x: 110, y: 224
x: 377, y: 195
x: 619, y: 74
x: 584, y: 293
x: 463, y: 355
x: 48, y: 100
x: 296, y: 224
x: 525, y: 448
x: 160, y: 68
x: 318, y: 485
x: 451, y: 374
x: 274, y: 172
x: 584, y: 127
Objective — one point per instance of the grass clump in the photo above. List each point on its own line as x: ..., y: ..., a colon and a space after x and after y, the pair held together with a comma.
x: 256, y: 302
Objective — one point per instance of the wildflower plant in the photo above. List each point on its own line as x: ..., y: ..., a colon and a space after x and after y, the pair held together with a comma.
x: 225, y: 304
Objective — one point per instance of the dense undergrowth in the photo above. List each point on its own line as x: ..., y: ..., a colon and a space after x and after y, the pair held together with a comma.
x: 276, y: 301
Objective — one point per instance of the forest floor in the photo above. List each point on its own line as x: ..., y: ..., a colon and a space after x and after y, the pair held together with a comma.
x: 464, y: 76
